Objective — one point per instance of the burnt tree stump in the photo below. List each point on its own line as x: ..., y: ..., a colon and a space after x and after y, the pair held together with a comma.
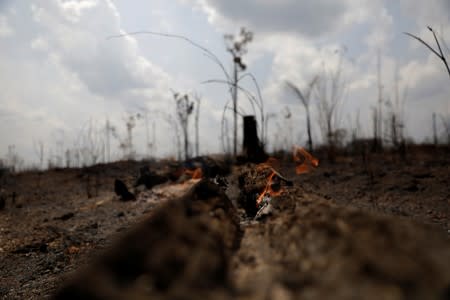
x: 253, y: 149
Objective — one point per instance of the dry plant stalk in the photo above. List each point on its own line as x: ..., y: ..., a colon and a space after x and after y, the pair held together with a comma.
x: 439, y: 54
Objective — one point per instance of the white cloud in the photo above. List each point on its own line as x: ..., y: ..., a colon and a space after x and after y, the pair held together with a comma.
x: 383, y: 32
x: 427, y: 13
x: 68, y: 71
x: 39, y: 44
x: 106, y: 67
x: 59, y: 69
x: 5, y: 28
x: 312, y: 19
x: 426, y: 80
x: 73, y: 10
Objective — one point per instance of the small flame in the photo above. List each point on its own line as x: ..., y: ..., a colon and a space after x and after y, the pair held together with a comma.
x: 195, y: 174
x: 270, y: 189
x: 306, y: 161
x: 198, y: 174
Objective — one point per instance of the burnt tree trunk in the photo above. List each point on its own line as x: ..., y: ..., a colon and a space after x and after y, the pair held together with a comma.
x: 253, y: 149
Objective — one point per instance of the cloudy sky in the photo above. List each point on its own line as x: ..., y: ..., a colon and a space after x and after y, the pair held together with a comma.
x: 62, y: 78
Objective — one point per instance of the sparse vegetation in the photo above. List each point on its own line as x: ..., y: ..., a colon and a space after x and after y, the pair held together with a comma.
x: 197, y: 99
x: 305, y: 100
x: 330, y: 91
x: 438, y: 52
x: 446, y: 128
x: 395, y: 111
x: 377, y: 111
x: 184, y: 109
x: 327, y: 90
x: 237, y: 47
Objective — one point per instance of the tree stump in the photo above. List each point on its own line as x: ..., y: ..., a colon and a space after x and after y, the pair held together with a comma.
x: 253, y: 149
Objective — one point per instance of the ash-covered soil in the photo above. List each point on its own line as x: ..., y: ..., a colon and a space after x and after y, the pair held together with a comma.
x: 351, y: 230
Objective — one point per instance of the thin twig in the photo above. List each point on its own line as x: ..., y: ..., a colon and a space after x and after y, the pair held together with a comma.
x: 439, y: 54
x: 211, y: 55
x: 252, y: 99
x: 440, y: 50
x: 297, y: 91
x: 423, y: 42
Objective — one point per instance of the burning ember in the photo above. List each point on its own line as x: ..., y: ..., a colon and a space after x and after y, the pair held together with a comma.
x: 305, y: 161
x: 273, y: 187
x: 195, y: 174
x: 259, y: 185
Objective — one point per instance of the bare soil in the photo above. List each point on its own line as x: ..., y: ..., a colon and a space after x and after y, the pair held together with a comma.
x: 349, y: 230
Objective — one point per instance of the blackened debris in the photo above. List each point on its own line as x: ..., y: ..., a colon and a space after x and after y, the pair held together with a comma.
x: 2, y: 201
x: 36, y: 247
x: 210, y: 167
x: 150, y: 179
x: 253, y: 148
x: 221, y: 181
x: 121, y: 190
x: 65, y: 217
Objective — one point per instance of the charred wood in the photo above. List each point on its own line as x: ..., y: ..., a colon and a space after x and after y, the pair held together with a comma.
x: 253, y: 149
x: 121, y: 190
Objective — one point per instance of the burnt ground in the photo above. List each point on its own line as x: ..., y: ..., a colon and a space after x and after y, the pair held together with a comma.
x: 374, y: 230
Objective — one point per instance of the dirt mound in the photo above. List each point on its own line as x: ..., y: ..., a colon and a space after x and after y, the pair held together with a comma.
x: 181, y: 250
x: 311, y: 249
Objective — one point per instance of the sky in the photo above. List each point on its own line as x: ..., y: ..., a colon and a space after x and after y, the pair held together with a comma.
x: 63, y: 79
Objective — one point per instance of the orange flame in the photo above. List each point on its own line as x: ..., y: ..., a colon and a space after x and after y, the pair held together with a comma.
x: 269, y: 166
x: 269, y: 189
x: 306, y: 162
x: 198, y: 174
x: 195, y: 174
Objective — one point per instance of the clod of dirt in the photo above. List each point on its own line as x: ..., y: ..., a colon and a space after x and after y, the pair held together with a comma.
x: 121, y: 190
x: 181, y: 249
x: 313, y: 249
